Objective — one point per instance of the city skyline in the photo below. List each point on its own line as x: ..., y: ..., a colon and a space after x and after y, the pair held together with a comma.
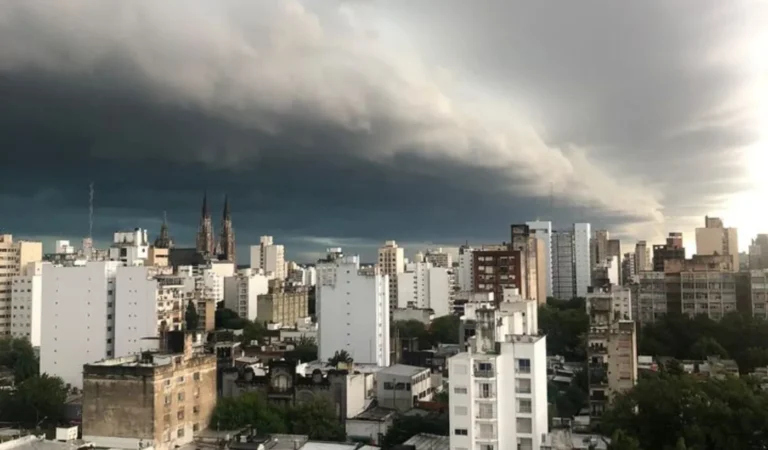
x: 417, y: 128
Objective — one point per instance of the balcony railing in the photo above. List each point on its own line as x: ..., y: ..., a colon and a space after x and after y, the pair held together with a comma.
x: 484, y: 373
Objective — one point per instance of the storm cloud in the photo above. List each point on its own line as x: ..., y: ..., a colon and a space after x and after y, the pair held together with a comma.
x: 354, y: 122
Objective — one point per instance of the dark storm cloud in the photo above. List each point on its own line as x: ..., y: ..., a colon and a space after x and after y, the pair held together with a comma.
x: 355, y: 122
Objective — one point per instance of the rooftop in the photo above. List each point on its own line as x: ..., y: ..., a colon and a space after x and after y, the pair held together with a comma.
x: 402, y: 370
x: 37, y: 443
x: 424, y: 441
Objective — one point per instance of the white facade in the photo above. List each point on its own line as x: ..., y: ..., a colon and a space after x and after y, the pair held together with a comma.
x: 77, y: 318
x: 209, y: 281
x: 466, y: 273
x: 64, y: 247
x: 26, y: 296
x: 353, y: 312
x: 543, y: 231
x: 398, y: 386
x: 13, y: 257
x: 241, y: 293
x: 135, y: 310
x: 391, y: 262
x: 620, y: 298
x: 582, y: 258
x: 498, y: 394
x: 270, y: 258
x: 130, y: 247
x: 424, y: 286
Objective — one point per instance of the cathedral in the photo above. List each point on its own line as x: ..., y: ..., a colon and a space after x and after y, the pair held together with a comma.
x: 224, y: 249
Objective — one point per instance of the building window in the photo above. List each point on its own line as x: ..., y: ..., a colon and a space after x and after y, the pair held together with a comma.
x: 195, y: 427
x: 181, y: 396
x: 180, y: 379
x: 196, y: 376
x: 180, y: 432
x: 523, y: 365
x: 167, y: 399
x: 460, y: 410
x: 524, y: 405
x: 180, y: 414
x: 459, y: 390
x: 388, y: 386
x: 460, y: 432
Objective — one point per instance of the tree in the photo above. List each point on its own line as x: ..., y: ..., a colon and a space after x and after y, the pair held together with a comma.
x: 705, y: 347
x: 18, y: 356
x: 413, y: 329
x: 191, y: 318
x: 228, y: 319
x: 621, y: 441
x: 340, y: 356
x: 566, y: 329
x: 305, y: 349
x: 316, y: 419
x: 404, y: 427
x: 445, y: 330
x: 34, y: 400
x: 253, y: 331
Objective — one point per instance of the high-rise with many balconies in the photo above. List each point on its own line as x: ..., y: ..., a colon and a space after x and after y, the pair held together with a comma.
x: 14, y: 257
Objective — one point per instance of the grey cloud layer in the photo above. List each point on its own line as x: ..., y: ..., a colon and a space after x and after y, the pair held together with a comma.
x: 610, y: 105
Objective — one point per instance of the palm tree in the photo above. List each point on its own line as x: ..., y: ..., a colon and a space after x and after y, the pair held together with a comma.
x: 341, y: 356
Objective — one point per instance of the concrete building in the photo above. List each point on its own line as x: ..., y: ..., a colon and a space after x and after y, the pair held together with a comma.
x: 524, y: 240
x: 611, y: 347
x: 498, y: 393
x: 77, y: 317
x: 466, y: 273
x: 391, y: 262
x: 207, y: 280
x: 581, y: 257
x: 563, y: 266
x: 130, y: 247
x: 269, y: 257
x: 651, y: 301
x: 712, y: 293
x: 26, y: 302
x: 400, y: 386
x: 302, y: 276
x: 499, y: 267
x: 628, y: 269
x: 353, y: 310
x: 599, y: 246
x: 642, y: 257
x: 542, y: 230
x: 14, y: 256
x: 758, y: 293
x: 673, y: 249
x: 424, y: 286
x: 283, y: 304
x: 157, y: 399
x: 758, y: 253
x: 158, y: 257
x: 63, y: 247
x: 439, y: 258
x: 715, y: 239
x: 242, y: 291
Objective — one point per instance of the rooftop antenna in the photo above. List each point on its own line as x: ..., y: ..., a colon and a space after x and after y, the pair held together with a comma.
x: 90, y: 211
x: 551, y: 200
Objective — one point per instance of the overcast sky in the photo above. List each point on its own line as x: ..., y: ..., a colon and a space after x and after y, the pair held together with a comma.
x: 351, y: 122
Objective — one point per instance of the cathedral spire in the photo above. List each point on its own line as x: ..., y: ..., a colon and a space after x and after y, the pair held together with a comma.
x: 205, y: 244
x: 227, y: 238
x: 164, y: 240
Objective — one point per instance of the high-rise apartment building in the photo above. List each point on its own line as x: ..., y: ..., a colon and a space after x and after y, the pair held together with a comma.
x: 425, y: 286
x: 158, y: 399
x: 14, y: 256
x: 571, y: 262
x: 543, y: 232
x: 599, y: 247
x: 499, y: 267
x: 758, y: 253
x: 758, y: 293
x: 353, y: 310
x: 269, y: 257
x: 241, y: 292
x: 26, y: 298
x: 715, y: 239
x: 673, y: 249
x: 466, y: 273
x: 498, y: 393
x: 651, y: 300
x: 283, y: 304
x: 611, y: 347
x: 628, y: 269
x: 642, y: 257
x: 391, y: 262
x: 532, y: 254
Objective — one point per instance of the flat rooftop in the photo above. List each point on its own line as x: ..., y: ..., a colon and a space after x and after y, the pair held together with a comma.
x: 402, y: 370
x: 425, y: 441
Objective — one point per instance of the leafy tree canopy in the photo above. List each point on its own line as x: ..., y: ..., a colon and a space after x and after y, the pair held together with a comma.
x: 340, y: 356
x: 35, y: 400
x: 18, y: 356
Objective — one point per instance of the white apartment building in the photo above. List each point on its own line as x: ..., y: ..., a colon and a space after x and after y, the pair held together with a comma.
x: 130, y: 247
x: 302, y: 276
x: 716, y: 239
x: 77, y: 318
x: 466, y: 272
x: 241, y: 292
x: 542, y: 230
x: 268, y: 257
x: 207, y: 280
x: 642, y: 257
x: 424, y: 286
x: 582, y: 234
x: 498, y: 394
x: 63, y: 247
x: 353, y: 311
x: 391, y: 262
x: 135, y: 310
x: 758, y: 290
x: 400, y: 386
x: 13, y: 257
x: 26, y: 296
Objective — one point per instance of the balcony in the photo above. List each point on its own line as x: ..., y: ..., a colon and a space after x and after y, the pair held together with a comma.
x: 484, y: 373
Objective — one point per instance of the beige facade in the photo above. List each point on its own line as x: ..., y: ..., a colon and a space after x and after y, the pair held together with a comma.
x: 611, y: 350
x: 391, y: 262
x: 160, y: 399
x: 13, y: 257
x: 158, y: 257
x: 283, y: 304
x: 715, y: 239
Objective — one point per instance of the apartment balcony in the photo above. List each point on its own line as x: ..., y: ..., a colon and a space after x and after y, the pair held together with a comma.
x: 482, y: 373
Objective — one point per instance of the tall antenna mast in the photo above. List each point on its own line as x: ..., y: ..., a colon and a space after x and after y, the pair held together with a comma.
x: 551, y: 200
x: 90, y: 211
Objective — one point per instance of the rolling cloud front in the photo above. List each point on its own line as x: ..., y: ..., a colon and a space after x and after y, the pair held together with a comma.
x: 351, y: 122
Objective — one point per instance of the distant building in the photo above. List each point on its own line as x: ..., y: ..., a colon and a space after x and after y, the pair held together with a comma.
x: 130, y: 247
x: 26, y: 303
x: 400, y: 387
x: 159, y: 399
x: 715, y: 239
x: 758, y: 253
x: 353, y: 311
x: 283, y: 304
x: 424, y: 286
x: 439, y: 258
x: 543, y: 232
x: 242, y: 291
x: 571, y: 262
x: 642, y: 257
x: 466, y: 273
x: 673, y: 249
x: 269, y: 257
x: 391, y: 262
